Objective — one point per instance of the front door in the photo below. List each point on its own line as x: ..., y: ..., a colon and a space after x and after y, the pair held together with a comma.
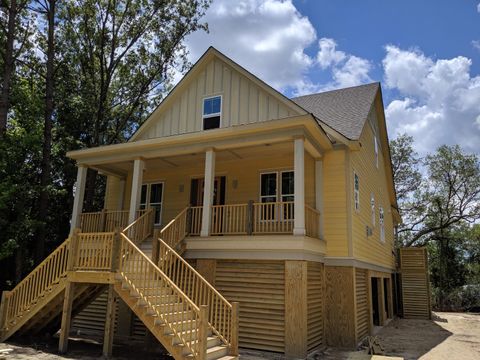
x: 197, y: 189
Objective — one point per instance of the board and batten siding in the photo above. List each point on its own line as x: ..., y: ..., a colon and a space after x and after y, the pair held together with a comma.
x: 315, y: 304
x: 373, y: 180
x: 362, y: 304
x: 243, y: 102
x: 259, y: 287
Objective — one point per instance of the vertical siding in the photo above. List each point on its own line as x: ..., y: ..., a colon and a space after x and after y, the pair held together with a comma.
x: 373, y: 180
x: 315, y: 304
x: 243, y: 102
x: 334, y: 203
x: 259, y: 286
x: 361, y: 294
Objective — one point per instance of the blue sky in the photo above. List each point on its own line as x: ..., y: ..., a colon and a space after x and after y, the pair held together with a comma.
x: 425, y: 53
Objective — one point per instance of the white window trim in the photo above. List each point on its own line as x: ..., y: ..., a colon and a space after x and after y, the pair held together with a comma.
x: 381, y: 216
x: 214, y: 114
x: 356, y: 193
x: 372, y: 206
x: 147, y: 198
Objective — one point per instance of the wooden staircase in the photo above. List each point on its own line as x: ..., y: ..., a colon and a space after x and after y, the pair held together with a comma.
x: 182, y: 310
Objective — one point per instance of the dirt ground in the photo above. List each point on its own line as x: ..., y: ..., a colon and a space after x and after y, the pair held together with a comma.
x: 450, y: 336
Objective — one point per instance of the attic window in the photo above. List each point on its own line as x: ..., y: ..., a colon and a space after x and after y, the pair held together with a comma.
x: 212, y: 109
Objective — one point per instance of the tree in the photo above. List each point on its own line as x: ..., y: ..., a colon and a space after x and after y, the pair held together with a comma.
x: 122, y: 52
x: 448, y: 194
x: 15, y: 38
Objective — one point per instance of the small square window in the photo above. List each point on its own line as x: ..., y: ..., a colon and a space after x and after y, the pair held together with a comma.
x: 212, y: 108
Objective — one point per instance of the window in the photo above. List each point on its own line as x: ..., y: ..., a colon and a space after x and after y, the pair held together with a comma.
x: 375, y: 143
x: 372, y: 205
x: 382, y: 224
x: 356, y: 191
x: 277, y: 186
x: 212, y: 109
x: 151, y: 198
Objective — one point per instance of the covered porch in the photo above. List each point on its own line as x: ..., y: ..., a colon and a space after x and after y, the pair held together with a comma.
x: 260, y: 184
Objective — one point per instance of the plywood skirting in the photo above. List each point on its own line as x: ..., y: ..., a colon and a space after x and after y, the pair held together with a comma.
x: 296, y: 335
x: 362, y: 312
x: 207, y: 268
x: 339, y: 307
x: 415, y: 283
x: 315, y: 304
x: 259, y: 287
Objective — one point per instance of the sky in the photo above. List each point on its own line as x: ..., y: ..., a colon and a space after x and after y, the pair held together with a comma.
x: 426, y: 54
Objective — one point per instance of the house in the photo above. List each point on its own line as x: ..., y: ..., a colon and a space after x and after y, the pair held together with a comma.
x: 275, y: 222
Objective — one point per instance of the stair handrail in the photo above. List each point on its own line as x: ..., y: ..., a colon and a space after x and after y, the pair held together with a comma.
x: 35, y: 285
x: 131, y: 255
x: 141, y: 228
x: 176, y: 230
x: 222, y: 315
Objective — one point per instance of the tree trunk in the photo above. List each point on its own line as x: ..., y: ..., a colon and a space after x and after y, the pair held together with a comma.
x: 47, y: 134
x: 8, y: 66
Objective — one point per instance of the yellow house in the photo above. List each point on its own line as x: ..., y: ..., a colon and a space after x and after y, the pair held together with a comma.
x: 254, y: 221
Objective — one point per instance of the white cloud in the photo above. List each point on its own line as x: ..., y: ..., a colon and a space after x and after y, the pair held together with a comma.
x: 267, y: 37
x: 328, y: 54
x: 439, y: 99
x: 478, y: 7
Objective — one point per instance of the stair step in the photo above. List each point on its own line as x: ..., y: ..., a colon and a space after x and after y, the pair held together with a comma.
x: 214, y: 353
x: 212, y: 342
x: 180, y: 325
x: 228, y: 357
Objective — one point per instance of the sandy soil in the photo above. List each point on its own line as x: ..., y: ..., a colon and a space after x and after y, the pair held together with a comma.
x: 451, y: 336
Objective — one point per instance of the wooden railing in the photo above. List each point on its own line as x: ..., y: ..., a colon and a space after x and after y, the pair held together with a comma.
x: 93, y: 251
x: 229, y: 219
x: 195, y: 220
x: 152, y: 285
x: 105, y: 220
x: 273, y: 218
x: 36, y: 285
x: 141, y: 228
x: 176, y: 230
x: 312, y: 222
x: 222, y: 316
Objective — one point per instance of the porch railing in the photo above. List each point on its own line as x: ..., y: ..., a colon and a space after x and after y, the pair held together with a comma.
x: 141, y: 228
x: 312, y: 222
x: 229, y: 219
x: 195, y: 220
x: 105, y: 220
x: 273, y: 218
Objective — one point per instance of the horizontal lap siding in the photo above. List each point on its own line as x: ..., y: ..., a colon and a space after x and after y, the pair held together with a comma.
x: 415, y: 283
x: 259, y: 287
x: 315, y: 303
x: 91, y: 320
x: 361, y: 293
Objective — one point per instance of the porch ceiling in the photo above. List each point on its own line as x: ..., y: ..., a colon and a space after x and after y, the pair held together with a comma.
x: 171, y: 162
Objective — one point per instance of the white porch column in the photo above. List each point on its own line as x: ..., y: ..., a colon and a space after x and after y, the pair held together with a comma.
x: 319, y: 193
x: 299, y: 181
x: 137, y: 180
x: 78, y: 200
x: 208, y: 190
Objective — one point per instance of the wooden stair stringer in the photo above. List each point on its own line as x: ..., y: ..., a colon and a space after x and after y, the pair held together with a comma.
x: 149, y: 321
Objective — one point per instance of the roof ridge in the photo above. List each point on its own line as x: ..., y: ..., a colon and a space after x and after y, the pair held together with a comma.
x: 335, y: 90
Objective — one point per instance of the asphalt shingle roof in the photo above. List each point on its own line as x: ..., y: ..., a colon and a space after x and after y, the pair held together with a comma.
x: 345, y: 110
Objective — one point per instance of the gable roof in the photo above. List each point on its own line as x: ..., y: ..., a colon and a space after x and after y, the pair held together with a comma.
x: 344, y: 110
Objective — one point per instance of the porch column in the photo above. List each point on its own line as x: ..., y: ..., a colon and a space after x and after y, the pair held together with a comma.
x: 299, y: 181
x: 138, y: 166
x: 78, y: 200
x: 319, y: 193
x: 208, y: 190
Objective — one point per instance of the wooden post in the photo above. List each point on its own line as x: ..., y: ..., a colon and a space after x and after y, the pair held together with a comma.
x: 73, y: 248
x: 3, y: 310
x: 116, y: 250
x: 234, y: 333
x: 296, y: 335
x: 299, y: 185
x: 109, y: 323
x: 250, y: 218
x: 103, y: 220
x: 155, y: 250
x: 208, y: 191
x: 66, y: 317
x: 203, y: 332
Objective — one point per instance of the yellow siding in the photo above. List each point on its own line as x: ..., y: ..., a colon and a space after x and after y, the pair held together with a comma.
x: 373, y: 180
x: 334, y: 203
x: 243, y: 102
x: 112, y: 190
